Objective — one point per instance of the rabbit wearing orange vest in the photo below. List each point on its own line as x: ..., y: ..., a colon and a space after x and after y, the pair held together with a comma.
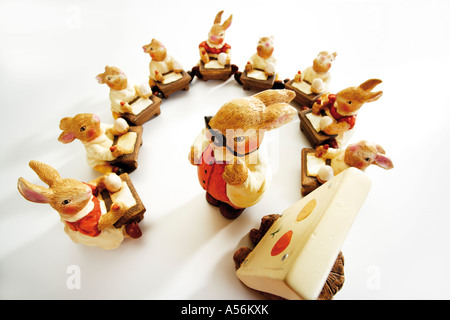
x: 215, y: 47
x: 342, y: 108
x: 231, y: 168
x: 79, y: 208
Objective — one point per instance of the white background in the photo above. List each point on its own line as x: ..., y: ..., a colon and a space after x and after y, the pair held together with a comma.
x: 50, y: 53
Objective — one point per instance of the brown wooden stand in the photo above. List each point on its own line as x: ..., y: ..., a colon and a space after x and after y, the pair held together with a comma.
x: 145, y: 115
x: 215, y: 74
x: 129, y: 162
x: 133, y: 214
x: 315, y: 138
x: 180, y: 84
x: 305, y: 100
x: 254, y: 84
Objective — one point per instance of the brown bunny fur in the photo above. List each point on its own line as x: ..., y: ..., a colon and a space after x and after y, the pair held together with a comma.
x: 66, y: 196
x: 347, y: 103
x: 359, y: 155
x: 262, y: 111
x: 216, y: 36
x: 113, y: 77
x: 243, y: 122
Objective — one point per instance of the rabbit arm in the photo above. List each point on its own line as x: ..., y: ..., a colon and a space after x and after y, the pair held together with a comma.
x: 253, y: 188
x: 325, y: 152
x: 203, y: 54
x: 337, y: 128
x: 235, y: 174
x: 143, y: 90
x: 108, y: 219
x: 119, y: 100
x: 98, y: 152
x: 174, y: 65
x: 157, y: 70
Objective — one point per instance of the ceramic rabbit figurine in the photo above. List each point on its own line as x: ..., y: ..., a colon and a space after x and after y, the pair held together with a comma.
x: 263, y: 58
x: 342, y: 108
x: 231, y: 167
x: 162, y: 66
x: 358, y: 155
x: 215, y: 47
x: 97, y: 138
x: 318, y: 75
x: 122, y: 91
x: 79, y: 207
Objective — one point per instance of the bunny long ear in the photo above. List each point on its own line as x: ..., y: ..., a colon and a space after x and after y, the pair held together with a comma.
x: 227, y: 23
x: 32, y: 192
x: 218, y: 17
x: 269, y: 97
x: 384, y: 162
x: 100, y: 78
x: 66, y: 136
x: 277, y: 115
x: 46, y: 173
x: 369, y: 84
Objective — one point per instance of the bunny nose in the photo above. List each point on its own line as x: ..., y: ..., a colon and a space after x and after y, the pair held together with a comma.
x: 213, y: 38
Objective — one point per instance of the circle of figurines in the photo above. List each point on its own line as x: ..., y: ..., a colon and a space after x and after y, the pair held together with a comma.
x: 231, y: 167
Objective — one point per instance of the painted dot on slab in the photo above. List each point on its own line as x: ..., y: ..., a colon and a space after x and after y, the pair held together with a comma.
x: 307, y: 209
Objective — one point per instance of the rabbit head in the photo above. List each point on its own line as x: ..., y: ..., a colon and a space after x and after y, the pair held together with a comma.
x: 265, y: 47
x: 362, y: 154
x: 67, y: 196
x: 84, y: 127
x: 243, y: 121
x: 156, y: 49
x: 113, y: 77
x: 217, y: 33
x: 322, y: 63
x: 350, y: 100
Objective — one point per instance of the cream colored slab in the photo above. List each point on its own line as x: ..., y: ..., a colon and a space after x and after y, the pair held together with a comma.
x: 127, y: 142
x: 302, y: 86
x: 140, y: 105
x: 313, y: 164
x: 317, y: 225
x: 257, y: 74
x: 315, y: 120
x: 171, y: 77
x: 214, y: 64
x: 124, y: 195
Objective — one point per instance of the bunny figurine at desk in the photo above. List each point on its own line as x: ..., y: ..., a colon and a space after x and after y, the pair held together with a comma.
x: 135, y: 103
x: 332, y: 118
x: 260, y: 71
x: 215, y: 53
x: 166, y: 74
x: 109, y: 148
x: 314, y: 81
x: 231, y: 167
x: 323, y: 163
x: 101, y: 213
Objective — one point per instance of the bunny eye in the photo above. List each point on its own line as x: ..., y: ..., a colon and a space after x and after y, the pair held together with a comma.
x: 82, y: 128
x: 239, y: 139
x: 367, y: 159
x: 349, y: 102
x: 65, y: 202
